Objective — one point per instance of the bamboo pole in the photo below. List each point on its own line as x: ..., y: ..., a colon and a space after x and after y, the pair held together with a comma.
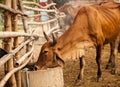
x: 5, y: 58
x: 38, y: 9
x: 62, y: 15
x: 5, y: 7
x: 8, y: 44
x: 36, y: 4
x: 41, y: 23
x: 8, y: 75
x: 15, y: 43
x: 23, y: 58
x: 25, y: 25
x: 17, y: 34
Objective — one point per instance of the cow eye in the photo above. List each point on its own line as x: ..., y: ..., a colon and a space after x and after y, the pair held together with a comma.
x: 45, y: 52
x: 59, y: 48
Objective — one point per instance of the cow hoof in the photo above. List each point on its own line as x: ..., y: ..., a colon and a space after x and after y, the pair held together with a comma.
x: 113, y: 72
x: 108, y: 66
x: 78, y: 82
x: 99, y: 79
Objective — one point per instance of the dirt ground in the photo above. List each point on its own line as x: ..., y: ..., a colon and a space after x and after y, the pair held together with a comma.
x: 108, y: 80
x: 72, y: 68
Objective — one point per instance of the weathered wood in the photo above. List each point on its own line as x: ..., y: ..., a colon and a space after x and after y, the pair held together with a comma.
x: 17, y: 34
x: 8, y: 43
x: 38, y: 5
x: 5, y: 7
x: 61, y: 15
x: 23, y: 58
x: 38, y: 9
x: 5, y: 58
x: 51, y: 77
x: 41, y: 23
x: 8, y: 75
x: 15, y: 43
x: 25, y: 25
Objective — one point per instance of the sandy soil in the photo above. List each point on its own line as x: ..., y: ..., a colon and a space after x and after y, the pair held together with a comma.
x: 108, y: 80
x: 72, y: 68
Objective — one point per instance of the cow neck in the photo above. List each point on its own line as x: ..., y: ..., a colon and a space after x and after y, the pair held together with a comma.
x: 76, y: 38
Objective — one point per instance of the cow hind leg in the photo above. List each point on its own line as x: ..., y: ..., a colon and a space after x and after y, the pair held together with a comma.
x: 80, y: 75
x: 113, y: 53
x: 98, y: 59
x: 109, y: 64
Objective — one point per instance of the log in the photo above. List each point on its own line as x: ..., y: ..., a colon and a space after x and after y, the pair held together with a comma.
x: 33, y: 3
x: 8, y: 44
x: 23, y: 58
x: 51, y: 77
x: 17, y: 34
x: 8, y: 75
x: 41, y: 23
x: 15, y: 42
x: 5, y: 7
x: 5, y: 58
x: 25, y: 25
x: 38, y: 9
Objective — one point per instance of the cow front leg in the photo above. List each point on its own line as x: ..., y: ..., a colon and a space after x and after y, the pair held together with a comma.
x: 98, y: 60
x: 81, y: 72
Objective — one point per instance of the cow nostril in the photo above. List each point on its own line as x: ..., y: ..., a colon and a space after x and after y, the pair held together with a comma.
x: 36, y: 67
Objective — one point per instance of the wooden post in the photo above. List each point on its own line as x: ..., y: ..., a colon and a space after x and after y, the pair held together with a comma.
x: 15, y: 43
x: 8, y: 44
x: 25, y: 24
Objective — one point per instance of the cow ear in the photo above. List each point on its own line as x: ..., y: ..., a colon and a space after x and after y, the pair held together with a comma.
x: 2, y: 52
x: 59, y: 60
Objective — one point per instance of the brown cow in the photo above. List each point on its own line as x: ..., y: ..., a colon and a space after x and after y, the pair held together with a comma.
x: 93, y: 26
x: 70, y: 13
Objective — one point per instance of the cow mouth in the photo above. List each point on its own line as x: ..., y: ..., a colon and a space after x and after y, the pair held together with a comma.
x: 57, y: 61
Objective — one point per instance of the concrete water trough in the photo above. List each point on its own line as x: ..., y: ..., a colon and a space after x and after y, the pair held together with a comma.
x: 51, y: 77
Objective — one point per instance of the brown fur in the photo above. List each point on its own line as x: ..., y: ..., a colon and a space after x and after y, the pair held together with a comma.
x: 94, y: 25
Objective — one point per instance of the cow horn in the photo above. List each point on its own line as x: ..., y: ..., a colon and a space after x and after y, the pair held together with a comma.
x: 45, y: 35
x: 54, y: 39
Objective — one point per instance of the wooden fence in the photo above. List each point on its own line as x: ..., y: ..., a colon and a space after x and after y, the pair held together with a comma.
x: 14, y: 61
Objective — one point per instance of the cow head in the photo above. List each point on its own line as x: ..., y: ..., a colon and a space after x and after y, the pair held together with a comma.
x: 48, y: 57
